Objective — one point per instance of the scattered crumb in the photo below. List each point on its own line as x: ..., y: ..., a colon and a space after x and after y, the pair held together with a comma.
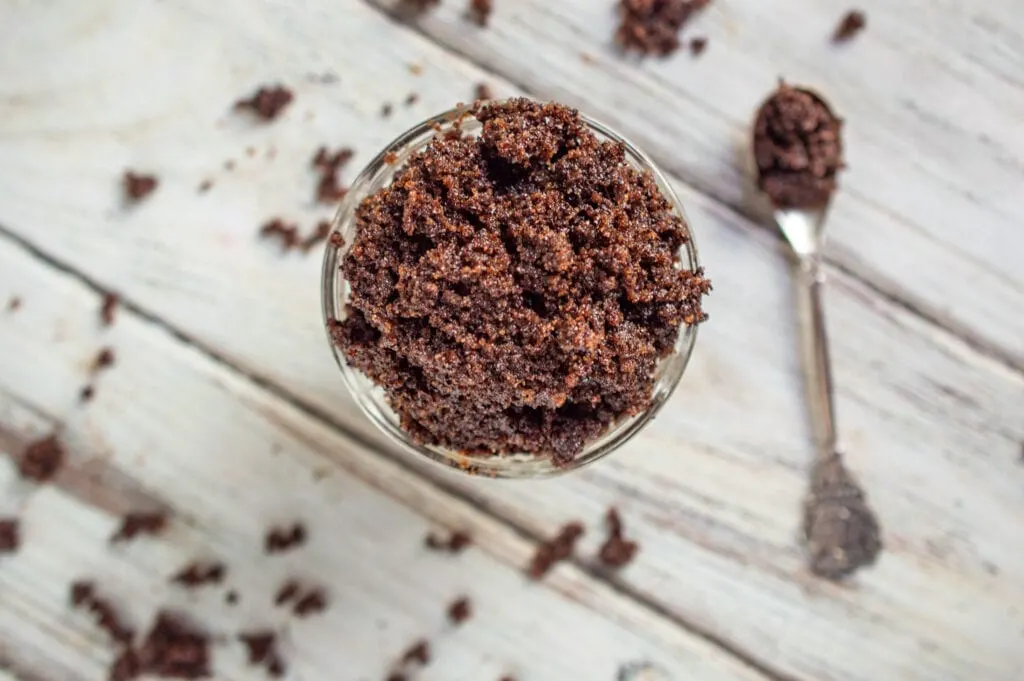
x: 86, y: 394
x: 262, y: 649
x: 418, y: 5
x: 205, y: 186
x: 698, y: 45
x: 397, y: 676
x: 174, y: 649
x: 390, y: 158
x: 416, y: 69
x: 454, y: 543
x: 288, y: 592
x: 460, y: 611
x: 385, y: 111
x: 418, y: 652
x: 412, y: 99
x: 134, y: 524
x: 280, y: 539
x: 138, y: 186
x: 508, y: 678
x: 312, y: 602
x: 42, y: 459
x: 286, y: 234
x: 107, y: 308
x: 125, y: 666
x: 197, y: 574
x: 229, y: 165
x: 319, y: 235
x: 329, y: 165
x: 483, y: 91
x: 336, y: 239
x: 652, y: 27
x: 10, y: 535
x: 231, y: 597
x: 616, y: 551
x: 104, y: 360
x: 555, y: 550
x: 13, y: 304
x: 268, y: 102
x: 479, y: 11
x: 83, y: 595
x: 853, y: 23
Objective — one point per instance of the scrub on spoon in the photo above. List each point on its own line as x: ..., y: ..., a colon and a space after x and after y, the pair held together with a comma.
x: 798, y: 151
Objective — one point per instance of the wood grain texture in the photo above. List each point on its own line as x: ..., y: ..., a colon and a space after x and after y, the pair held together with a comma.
x: 230, y: 460
x: 931, y: 95
x: 711, y: 488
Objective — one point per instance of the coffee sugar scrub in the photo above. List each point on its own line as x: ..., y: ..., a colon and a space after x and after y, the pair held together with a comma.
x: 513, y: 291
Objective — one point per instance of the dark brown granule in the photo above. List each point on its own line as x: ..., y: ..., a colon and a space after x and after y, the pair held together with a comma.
x: 853, y: 23
x: 268, y: 102
x: 281, y: 539
x: 841, y: 530
x: 412, y: 99
x: 508, y: 678
x: 653, y: 26
x: 479, y: 11
x: 397, y: 676
x: 329, y: 188
x: 138, y: 186
x: 310, y: 603
x: 41, y: 459
x: 286, y: 234
x: 515, y: 292
x: 456, y: 542
x: 616, y: 550
x: 698, y: 45
x: 798, y: 149
x: 14, y: 304
x: 86, y: 394
x: 231, y: 597
x: 104, y: 360
x: 134, y: 524
x: 390, y: 158
x: 107, y: 308
x: 125, y: 666
x: 460, y: 610
x: 555, y: 550
x: 174, y: 648
x: 83, y: 595
x: 483, y: 92
x: 418, y: 5
x: 263, y: 652
x: 198, y: 574
x: 418, y: 652
x: 385, y: 111
x: 336, y: 240
x: 10, y: 535
x: 205, y: 186
x: 316, y: 237
x: 288, y: 592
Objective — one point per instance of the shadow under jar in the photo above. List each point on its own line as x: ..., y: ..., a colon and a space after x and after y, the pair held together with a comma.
x: 512, y: 289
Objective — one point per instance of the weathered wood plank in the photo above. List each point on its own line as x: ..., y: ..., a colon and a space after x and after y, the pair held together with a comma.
x: 933, y: 428
x: 231, y: 460
x: 931, y: 94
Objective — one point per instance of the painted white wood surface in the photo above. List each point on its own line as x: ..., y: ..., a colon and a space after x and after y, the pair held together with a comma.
x: 933, y: 427
x: 170, y: 428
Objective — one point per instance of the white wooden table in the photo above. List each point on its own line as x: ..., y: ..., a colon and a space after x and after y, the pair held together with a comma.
x: 225, y: 407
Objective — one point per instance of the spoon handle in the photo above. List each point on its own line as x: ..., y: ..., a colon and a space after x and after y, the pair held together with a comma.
x: 814, y: 348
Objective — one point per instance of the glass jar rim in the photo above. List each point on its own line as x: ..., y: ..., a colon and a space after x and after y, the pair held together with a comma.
x: 370, y: 398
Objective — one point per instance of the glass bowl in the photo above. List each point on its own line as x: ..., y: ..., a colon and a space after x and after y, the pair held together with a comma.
x: 372, y: 399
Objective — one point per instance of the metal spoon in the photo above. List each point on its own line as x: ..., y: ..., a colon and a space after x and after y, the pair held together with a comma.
x: 841, y: 531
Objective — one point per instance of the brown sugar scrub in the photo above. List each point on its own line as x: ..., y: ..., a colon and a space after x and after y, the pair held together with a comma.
x: 798, y: 148
x: 513, y: 292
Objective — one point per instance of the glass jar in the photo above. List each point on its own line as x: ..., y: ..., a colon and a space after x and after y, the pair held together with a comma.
x: 372, y: 399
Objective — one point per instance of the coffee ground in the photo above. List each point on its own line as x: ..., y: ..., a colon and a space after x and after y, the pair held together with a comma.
x: 262, y: 649
x: 10, y: 535
x: 329, y: 165
x: 174, y: 648
x: 14, y: 304
x: 418, y: 652
x: 479, y: 11
x: 281, y: 539
x: 198, y: 574
x: 514, y: 292
x: 483, y: 92
x: 698, y: 45
x: 134, y: 524
x: 616, y: 551
x: 138, y: 186
x: 454, y: 543
x: 653, y: 26
x: 267, y: 103
x: 42, y: 459
x: 460, y: 610
x: 83, y: 595
x: 853, y: 23
x: 105, y: 359
x: 107, y: 308
x: 555, y: 550
x: 798, y: 149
